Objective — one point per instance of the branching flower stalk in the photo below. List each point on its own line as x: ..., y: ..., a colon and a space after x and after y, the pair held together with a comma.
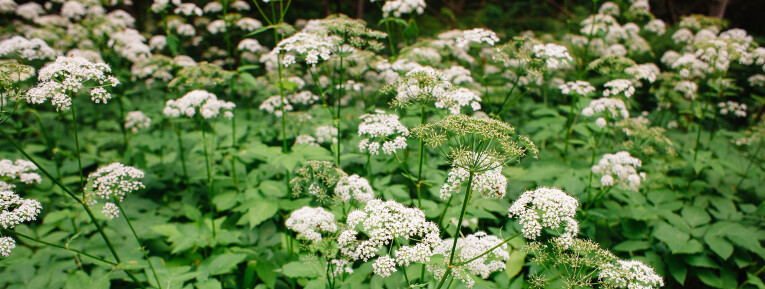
x: 140, y: 243
x: 79, y: 200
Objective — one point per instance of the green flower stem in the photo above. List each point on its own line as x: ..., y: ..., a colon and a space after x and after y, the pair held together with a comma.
x: 233, y: 172
x: 569, y: 125
x: 122, y: 125
x: 592, y: 162
x: 49, y: 142
x: 322, y: 93
x: 74, y: 196
x: 459, y: 228
x: 391, y: 40
x: 140, y: 243
x: 178, y: 132
x: 422, y: 157
x: 489, y: 251
x: 281, y: 104
x: 698, y: 133
x: 33, y: 239
x: 749, y: 166
x: 209, y: 175
x: 77, y: 147
x: 340, y: 94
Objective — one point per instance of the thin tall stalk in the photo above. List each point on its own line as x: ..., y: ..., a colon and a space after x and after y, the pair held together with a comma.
x: 458, y: 230
x: 78, y: 200
x: 140, y: 243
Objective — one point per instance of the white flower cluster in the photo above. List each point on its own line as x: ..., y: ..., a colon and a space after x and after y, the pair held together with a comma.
x: 687, y: 88
x: 111, y: 210
x: 130, y: 44
x: 356, y: 187
x: 555, y: 56
x: 312, y: 47
x: 477, y: 35
x: 468, y: 248
x: 490, y: 183
x: 208, y: 104
x: 29, y: 10
x: 273, y: 105
x: 113, y: 182
x: 656, y: 26
x: 136, y: 120
x: 649, y: 72
x: 757, y: 80
x: 623, y: 167
x: 546, y: 208
x: 455, y: 99
x: 458, y: 75
x: 306, y: 140
x: 29, y: 49
x: 68, y: 75
x: 614, y: 106
x: 250, y: 45
x: 188, y: 9
x: 310, y: 222
x: 6, y: 245
x: 737, y: 109
x: 383, y: 223
x: 21, y: 169
x: 341, y: 266
x: 8, y: 6
x: 410, y: 88
x: 399, y: 7
x: 382, y: 127
x: 578, y: 87
x: 16, y: 210
x: 619, y: 86
x: 629, y: 274
x: 326, y: 133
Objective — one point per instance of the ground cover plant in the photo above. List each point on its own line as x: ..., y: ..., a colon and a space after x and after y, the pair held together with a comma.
x: 234, y: 144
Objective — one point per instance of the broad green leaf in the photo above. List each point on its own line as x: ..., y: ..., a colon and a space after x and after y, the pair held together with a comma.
x: 219, y: 264
x: 632, y: 246
x: 709, y: 278
x: 81, y: 280
x: 515, y: 263
x: 257, y: 213
x: 720, y: 246
x: 209, y: 284
x: 298, y: 269
x: 695, y: 216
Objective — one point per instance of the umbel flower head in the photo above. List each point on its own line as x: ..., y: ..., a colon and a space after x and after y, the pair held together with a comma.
x: 468, y: 142
x: 423, y: 85
x: 15, y: 210
x: 59, y: 80
x: 207, y: 103
x: 21, y: 170
x: 311, y: 47
x: 382, y: 130
x: 310, y: 222
x: 353, y: 32
x: 468, y: 248
x: 619, y: 168
x: 546, y: 208
x: 320, y: 177
x: 490, y: 183
x: 629, y: 274
x: 113, y: 182
x: 384, y: 223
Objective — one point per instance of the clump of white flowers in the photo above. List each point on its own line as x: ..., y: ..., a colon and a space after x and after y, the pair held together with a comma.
x: 490, y: 182
x: 22, y: 170
x: 206, y: 102
x: 326, y: 133
x: 629, y: 274
x: 578, y: 87
x: 468, y: 248
x: 619, y: 168
x: 546, y: 208
x: 619, y: 87
x: 554, y: 56
x: 309, y: 223
x: 68, y: 75
x: 656, y: 26
x: 312, y: 47
x: 113, y: 182
x: 399, y: 7
x: 356, y: 187
x: 648, y: 72
x: 16, y: 210
x: 614, y: 108
x: 455, y: 99
x: 29, y: 49
x: 382, y: 130
x: 273, y: 105
x: 136, y: 120
x: 383, y: 223
x: 478, y: 36
x: 738, y: 109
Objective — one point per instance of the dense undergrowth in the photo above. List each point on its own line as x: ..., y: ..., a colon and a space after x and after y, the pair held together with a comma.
x: 221, y: 147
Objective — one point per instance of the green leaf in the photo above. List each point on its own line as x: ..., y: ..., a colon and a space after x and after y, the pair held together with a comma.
x: 677, y: 269
x: 632, y: 246
x: 265, y: 270
x: 754, y: 280
x: 695, y: 216
x: 257, y: 213
x: 248, y: 80
x: 515, y: 263
x: 81, y: 280
x: 297, y: 269
x: 395, y: 20
x: 316, y: 284
x: 225, y: 201
x: 259, y: 30
x: 710, y: 278
x: 701, y: 260
x: 673, y: 237
x: 219, y: 264
x: 209, y: 284
x: 244, y: 68
x: 720, y: 246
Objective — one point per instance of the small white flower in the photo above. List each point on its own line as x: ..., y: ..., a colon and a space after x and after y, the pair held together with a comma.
x: 111, y: 210
x: 205, y: 102
x: 136, y: 120
x: 114, y: 181
x: 546, y: 208
x: 356, y: 187
x: 470, y: 247
x: 629, y: 274
x: 15, y: 210
x: 578, y: 87
x: 310, y: 222
x: 619, y: 87
x: 622, y: 168
x: 6, y: 245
